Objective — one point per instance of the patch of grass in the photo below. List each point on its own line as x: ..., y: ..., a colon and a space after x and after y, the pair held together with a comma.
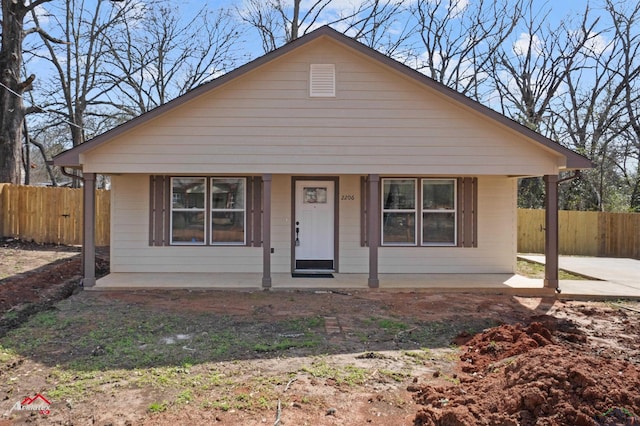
x: 424, y: 354
x: 307, y: 341
x: 536, y: 270
x: 394, y: 375
x: 391, y: 325
x: 6, y: 355
x: 158, y: 407
x: 348, y: 374
x: 184, y: 397
x: 304, y: 324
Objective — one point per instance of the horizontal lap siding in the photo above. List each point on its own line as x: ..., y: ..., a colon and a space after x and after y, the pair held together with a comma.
x: 496, y: 251
x: 353, y: 257
x: 130, y: 250
x: 281, y: 224
x: 379, y: 122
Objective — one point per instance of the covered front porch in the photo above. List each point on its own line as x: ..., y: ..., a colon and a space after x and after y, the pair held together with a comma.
x: 477, y: 282
x: 512, y: 284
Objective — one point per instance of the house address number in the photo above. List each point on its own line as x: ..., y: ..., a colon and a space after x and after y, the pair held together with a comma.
x: 347, y: 197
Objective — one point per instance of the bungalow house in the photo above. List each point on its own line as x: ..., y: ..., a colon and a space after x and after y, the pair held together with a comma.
x: 321, y: 157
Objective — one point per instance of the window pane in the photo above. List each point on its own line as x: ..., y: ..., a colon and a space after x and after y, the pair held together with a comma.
x: 227, y: 227
x: 438, y: 228
x: 399, y: 194
x: 398, y: 228
x: 227, y: 193
x: 187, y: 227
x: 438, y: 194
x: 188, y: 193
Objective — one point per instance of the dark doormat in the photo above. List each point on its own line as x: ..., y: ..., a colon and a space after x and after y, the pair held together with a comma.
x: 298, y: 275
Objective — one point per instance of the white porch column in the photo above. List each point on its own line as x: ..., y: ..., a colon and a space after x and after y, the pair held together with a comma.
x: 89, y: 230
x: 266, y: 231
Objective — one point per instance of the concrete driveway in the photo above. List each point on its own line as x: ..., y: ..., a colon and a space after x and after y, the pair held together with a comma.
x: 616, y: 278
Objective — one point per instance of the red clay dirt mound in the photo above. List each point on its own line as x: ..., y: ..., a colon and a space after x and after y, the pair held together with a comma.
x: 533, y: 375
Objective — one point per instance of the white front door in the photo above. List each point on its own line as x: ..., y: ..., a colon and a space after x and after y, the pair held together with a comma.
x: 314, y: 225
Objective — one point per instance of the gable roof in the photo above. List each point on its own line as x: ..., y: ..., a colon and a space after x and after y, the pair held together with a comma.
x: 71, y: 157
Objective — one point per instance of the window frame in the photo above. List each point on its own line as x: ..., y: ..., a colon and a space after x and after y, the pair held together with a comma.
x: 158, y: 217
x: 172, y: 209
x: 384, y: 211
x: 212, y: 210
x: 419, y: 212
x: 453, y: 243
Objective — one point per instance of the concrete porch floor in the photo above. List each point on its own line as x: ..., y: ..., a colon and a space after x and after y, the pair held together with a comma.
x: 478, y: 283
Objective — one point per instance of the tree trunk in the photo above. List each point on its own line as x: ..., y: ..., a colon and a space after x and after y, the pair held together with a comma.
x: 11, y: 89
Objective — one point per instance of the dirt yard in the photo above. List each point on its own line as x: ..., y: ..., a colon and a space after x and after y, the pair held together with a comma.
x: 304, y: 358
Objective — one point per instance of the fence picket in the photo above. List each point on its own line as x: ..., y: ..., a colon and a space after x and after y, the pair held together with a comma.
x: 50, y: 215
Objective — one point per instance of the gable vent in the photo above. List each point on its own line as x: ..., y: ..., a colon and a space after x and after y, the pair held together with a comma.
x: 322, y: 80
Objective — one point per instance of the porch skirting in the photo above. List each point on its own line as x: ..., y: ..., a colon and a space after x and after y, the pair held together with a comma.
x: 476, y: 283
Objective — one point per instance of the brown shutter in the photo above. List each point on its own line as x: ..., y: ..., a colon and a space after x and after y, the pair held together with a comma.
x: 256, y: 211
x: 468, y: 206
x: 364, y: 237
x: 159, y: 198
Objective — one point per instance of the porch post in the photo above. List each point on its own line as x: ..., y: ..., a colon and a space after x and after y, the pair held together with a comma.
x: 551, y: 243
x: 266, y: 231
x: 373, y: 232
x: 89, y: 230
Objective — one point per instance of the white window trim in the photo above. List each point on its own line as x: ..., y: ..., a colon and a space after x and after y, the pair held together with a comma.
x: 203, y: 210
x: 415, y: 212
x: 454, y: 211
x: 243, y: 209
x: 207, y: 212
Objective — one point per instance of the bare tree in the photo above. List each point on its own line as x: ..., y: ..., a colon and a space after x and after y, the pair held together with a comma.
x: 460, y: 39
x: 163, y: 56
x: 528, y: 77
x: 375, y: 23
x: 277, y: 23
x: 12, y: 87
x: 528, y: 74
x: 626, y: 19
x: 79, y: 86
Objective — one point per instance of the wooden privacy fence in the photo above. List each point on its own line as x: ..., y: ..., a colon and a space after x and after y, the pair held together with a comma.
x: 54, y: 215
x: 50, y: 215
x: 583, y: 233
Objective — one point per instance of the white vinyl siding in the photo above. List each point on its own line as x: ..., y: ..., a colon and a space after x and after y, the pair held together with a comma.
x: 130, y: 250
x: 378, y: 122
x: 496, y: 251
